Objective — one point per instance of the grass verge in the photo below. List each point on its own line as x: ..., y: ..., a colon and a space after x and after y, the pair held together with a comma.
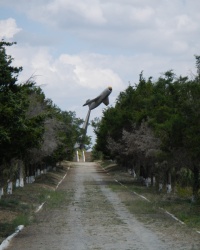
x: 175, y: 203
x: 19, y: 208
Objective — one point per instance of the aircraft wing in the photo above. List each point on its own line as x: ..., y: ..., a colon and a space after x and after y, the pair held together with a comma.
x: 106, y: 101
x: 90, y: 101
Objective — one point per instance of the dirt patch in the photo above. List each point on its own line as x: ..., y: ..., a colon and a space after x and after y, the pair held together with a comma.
x: 7, y: 216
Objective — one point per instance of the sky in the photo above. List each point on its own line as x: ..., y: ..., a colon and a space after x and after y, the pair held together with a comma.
x: 75, y: 49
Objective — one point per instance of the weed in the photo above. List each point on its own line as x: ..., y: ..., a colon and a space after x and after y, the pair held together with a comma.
x: 8, y: 203
x: 5, y: 230
x: 184, y: 192
x: 56, y: 199
x: 21, y: 219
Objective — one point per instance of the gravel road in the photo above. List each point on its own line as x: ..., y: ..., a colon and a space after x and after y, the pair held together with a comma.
x: 91, y: 217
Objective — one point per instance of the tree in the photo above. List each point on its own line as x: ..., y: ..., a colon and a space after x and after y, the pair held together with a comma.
x: 197, y: 57
x: 33, y: 130
x: 8, y: 73
x: 170, y: 109
x: 190, y: 110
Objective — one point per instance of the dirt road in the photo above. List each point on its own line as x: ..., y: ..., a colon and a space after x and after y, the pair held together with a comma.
x: 91, y: 216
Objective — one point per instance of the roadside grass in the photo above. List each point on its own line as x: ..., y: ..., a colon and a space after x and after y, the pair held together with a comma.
x: 178, y: 202
x: 19, y: 208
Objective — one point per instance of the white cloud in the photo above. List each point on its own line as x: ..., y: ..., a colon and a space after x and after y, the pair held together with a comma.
x: 185, y: 24
x: 155, y: 25
x: 88, y: 10
x: 81, y: 70
x: 89, y: 74
x: 67, y: 76
x: 8, y: 28
x: 62, y: 13
x: 142, y: 14
x: 122, y: 38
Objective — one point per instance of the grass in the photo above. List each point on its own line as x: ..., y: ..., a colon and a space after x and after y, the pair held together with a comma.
x: 9, y: 203
x: 19, y: 208
x: 184, y: 210
x: 177, y: 203
x: 8, y: 225
x: 6, y: 229
x: 22, y: 219
x: 58, y: 198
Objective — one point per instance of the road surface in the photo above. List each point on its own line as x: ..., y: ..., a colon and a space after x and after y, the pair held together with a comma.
x: 91, y: 216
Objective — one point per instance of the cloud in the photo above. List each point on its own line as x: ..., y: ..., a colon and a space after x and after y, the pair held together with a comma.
x: 8, y: 28
x: 162, y: 27
x: 87, y: 11
x: 66, y: 79
x: 89, y: 73
x: 185, y: 24
x: 122, y: 39
x: 60, y: 12
x: 81, y: 69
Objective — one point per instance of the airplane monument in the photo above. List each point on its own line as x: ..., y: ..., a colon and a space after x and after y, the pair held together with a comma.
x: 92, y: 104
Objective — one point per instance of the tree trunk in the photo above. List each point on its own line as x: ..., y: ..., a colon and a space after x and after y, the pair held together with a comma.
x: 195, y: 183
x: 21, y: 174
x: 169, y: 182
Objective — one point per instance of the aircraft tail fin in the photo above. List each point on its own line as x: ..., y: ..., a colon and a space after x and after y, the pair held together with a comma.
x: 87, y: 102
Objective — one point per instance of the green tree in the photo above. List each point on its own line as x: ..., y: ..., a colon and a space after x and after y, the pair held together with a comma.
x: 8, y: 73
x: 191, y: 134
x: 171, y: 107
x: 33, y: 130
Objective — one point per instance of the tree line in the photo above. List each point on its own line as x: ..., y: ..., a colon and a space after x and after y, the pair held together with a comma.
x: 154, y: 129
x: 34, y: 132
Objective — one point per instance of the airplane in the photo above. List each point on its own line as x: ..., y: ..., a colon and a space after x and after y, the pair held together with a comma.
x: 103, y: 97
x: 92, y: 104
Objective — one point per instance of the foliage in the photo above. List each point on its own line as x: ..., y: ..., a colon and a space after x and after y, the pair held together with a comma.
x: 8, y: 73
x: 32, y: 128
x: 154, y: 126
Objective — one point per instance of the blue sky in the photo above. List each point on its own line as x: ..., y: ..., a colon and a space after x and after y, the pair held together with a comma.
x: 76, y: 48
